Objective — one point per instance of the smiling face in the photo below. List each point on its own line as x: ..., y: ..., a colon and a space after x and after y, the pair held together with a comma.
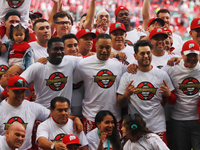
x: 118, y: 38
x: 106, y: 125
x: 158, y: 43
x: 166, y: 17
x: 123, y: 17
x: 16, y: 97
x: 103, y: 20
x: 103, y: 49
x: 190, y: 60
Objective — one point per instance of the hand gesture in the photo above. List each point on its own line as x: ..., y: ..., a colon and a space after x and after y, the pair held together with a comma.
x: 130, y: 89
x: 132, y: 68
x: 164, y: 89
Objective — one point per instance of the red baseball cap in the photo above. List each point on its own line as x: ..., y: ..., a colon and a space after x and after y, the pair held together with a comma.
x: 118, y: 9
x: 37, y: 13
x: 152, y: 20
x: 195, y: 23
x: 167, y: 29
x: 83, y: 32
x: 190, y: 47
x: 116, y: 26
x: 156, y: 32
x: 16, y: 83
x: 71, y: 139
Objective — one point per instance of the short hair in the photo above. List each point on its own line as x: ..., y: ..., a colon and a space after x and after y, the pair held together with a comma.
x: 103, y: 36
x: 53, y: 39
x: 62, y: 14
x: 85, y: 14
x: 58, y: 99
x: 142, y: 43
x: 37, y: 21
x: 162, y: 11
x: 69, y: 36
x: 12, y: 13
x: 19, y: 27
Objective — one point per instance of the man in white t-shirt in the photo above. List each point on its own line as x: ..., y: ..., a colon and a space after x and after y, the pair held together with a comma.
x: 142, y: 92
x: 14, y: 138
x: 118, y: 34
x: 55, y: 77
x: 42, y: 31
x: 51, y: 131
x: 185, y: 113
x: 16, y: 109
x: 122, y: 16
x: 101, y: 77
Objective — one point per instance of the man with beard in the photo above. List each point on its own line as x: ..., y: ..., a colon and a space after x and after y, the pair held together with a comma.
x: 142, y: 92
x: 185, y: 113
x: 122, y: 16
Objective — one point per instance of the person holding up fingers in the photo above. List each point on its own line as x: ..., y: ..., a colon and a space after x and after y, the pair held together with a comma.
x: 106, y: 135
x: 142, y: 92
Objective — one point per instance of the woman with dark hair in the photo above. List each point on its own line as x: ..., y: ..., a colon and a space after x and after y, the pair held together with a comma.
x: 106, y: 135
x: 140, y: 138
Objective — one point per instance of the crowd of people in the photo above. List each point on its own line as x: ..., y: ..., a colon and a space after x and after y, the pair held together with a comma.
x: 99, y: 84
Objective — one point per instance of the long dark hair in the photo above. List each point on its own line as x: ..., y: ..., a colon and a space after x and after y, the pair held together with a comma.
x: 143, y: 130
x: 114, y: 138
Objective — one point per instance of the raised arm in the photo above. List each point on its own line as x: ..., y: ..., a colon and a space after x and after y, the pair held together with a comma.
x: 55, y: 9
x: 90, y: 16
x: 146, y: 13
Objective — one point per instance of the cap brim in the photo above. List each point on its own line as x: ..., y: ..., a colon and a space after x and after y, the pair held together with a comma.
x: 73, y: 143
x: 39, y: 14
x: 117, y: 29
x: 166, y: 36
x: 189, y: 52
x: 17, y: 88
x: 91, y: 33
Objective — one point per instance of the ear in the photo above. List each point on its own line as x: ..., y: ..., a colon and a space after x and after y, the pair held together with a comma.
x: 135, y: 56
x: 125, y: 34
x: 98, y: 124
x: 190, y: 33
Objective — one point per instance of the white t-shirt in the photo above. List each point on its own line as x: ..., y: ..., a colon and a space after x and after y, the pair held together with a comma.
x: 52, y: 80
x: 55, y: 132
x: 177, y: 44
x: 147, y: 101
x: 128, y: 50
x: 4, y: 56
x: 38, y: 51
x: 22, y: 6
x: 3, y: 144
x: 186, y: 82
x: 26, y: 114
x: 150, y: 141
x: 93, y: 140
x: 101, y: 80
x: 133, y: 36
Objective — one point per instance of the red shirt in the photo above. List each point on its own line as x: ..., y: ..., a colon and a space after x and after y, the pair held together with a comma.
x: 18, y: 50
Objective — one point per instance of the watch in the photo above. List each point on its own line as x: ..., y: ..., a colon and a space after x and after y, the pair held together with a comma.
x: 52, y: 146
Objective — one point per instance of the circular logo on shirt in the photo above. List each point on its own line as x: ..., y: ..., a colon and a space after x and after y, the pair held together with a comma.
x: 105, y: 78
x: 56, y: 81
x: 58, y: 137
x: 15, y: 3
x: 146, y: 91
x: 14, y: 119
x: 190, y: 86
x: 3, y: 69
x: 129, y: 43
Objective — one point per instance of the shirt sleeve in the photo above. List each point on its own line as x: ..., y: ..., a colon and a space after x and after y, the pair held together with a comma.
x: 156, y: 143
x: 41, y: 111
x: 123, y: 84
x: 42, y: 131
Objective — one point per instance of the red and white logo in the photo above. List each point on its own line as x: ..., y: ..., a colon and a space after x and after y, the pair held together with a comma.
x: 15, y: 3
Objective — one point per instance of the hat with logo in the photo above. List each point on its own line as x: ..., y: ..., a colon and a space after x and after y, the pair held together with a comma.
x: 156, y: 32
x: 37, y: 13
x: 152, y: 20
x: 118, y: 9
x: 83, y: 32
x: 71, y: 139
x: 116, y: 26
x: 16, y: 83
x: 195, y: 23
x: 190, y: 47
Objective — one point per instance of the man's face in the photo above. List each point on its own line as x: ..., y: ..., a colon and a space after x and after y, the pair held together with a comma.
x: 118, y: 37
x: 15, y: 137
x: 85, y: 44
x: 71, y: 47
x: 195, y: 34
x: 144, y: 56
x: 16, y: 97
x: 167, y: 46
x: 11, y: 20
x: 190, y: 60
x: 123, y: 17
x: 43, y: 32
x: 61, y: 112
x: 63, y: 26
x: 103, y: 49
x: 82, y: 21
x: 103, y: 20
x: 56, y: 53
x: 165, y: 17
x: 158, y: 42
x: 154, y: 25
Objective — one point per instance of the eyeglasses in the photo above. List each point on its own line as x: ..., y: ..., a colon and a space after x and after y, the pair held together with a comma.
x: 63, y: 23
